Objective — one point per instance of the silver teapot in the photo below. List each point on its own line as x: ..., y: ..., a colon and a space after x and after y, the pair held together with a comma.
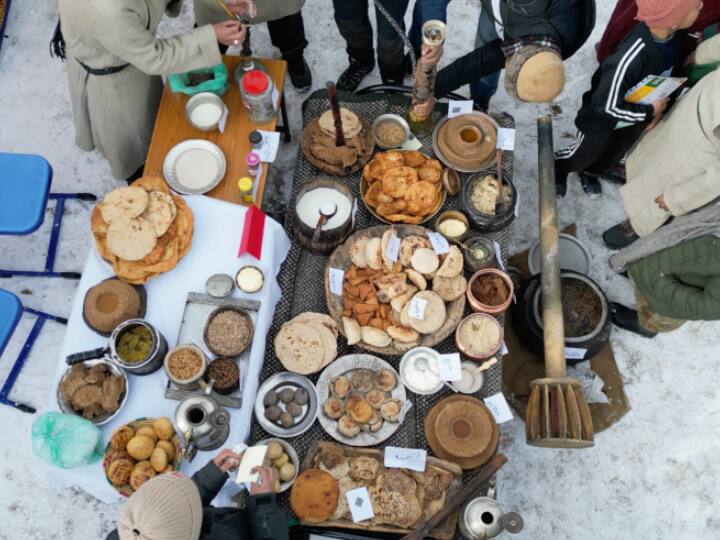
x: 203, y: 423
x: 482, y: 519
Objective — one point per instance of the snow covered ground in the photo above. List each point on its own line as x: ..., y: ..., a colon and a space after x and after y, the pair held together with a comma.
x: 653, y: 475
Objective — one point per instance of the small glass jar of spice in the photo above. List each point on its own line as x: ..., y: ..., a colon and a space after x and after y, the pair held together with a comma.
x: 256, y: 91
x: 252, y: 160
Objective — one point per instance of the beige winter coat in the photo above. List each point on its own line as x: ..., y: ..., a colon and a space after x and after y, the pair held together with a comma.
x: 208, y: 11
x: 116, y: 113
x: 680, y: 158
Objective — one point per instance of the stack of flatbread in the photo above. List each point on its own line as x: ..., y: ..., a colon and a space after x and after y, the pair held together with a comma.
x: 307, y: 343
x: 142, y: 230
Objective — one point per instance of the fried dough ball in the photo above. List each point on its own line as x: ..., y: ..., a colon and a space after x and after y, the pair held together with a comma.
x: 168, y: 447
x: 142, y: 472
x: 164, y: 428
x: 121, y: 437
x: 140, y: 447
x: 147, y: 432
x: 159, y: 459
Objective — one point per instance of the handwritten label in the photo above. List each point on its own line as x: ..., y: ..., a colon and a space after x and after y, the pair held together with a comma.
x: 223, y: 119
x: 456, y: 108
x: 393, y: 248
x: 359, y: 503
x: 269, y: 146
x: 575, y: 353
x: 405, y: 458
x: 499, y: 408
x: 439, y: 243
x: 506, y: 139
x: 417, y: 308
x: 449, y: 367
x: 336, y: 277
x: 404, y: 409
x: 413, y: 143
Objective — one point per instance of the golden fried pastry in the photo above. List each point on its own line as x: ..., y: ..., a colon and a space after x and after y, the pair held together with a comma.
x: 347, y: 426
x: 392, y: 158
x: 119, y: 471
x: 168, y: 447
x: 340, y: 386
x: 112, y: 455
x: 396, y: 181
x: 142, y: 472
x: 140, y: 447
x: 429, y: 174
x: 364, y: 468
x: 375, y: 397
x: 413, y: 158
x: 121, y: 437
x: 164, y: 428
x: 371, y: 195
x: 385, y: 380
x: 147, y: 432
x: 159, y: 459
x: 421, y: 198
x: 358, y: 409
x: 314, y: 496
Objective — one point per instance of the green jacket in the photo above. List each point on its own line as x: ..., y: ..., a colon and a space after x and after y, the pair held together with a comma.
x: 263, y: 519
x: 682, y: 281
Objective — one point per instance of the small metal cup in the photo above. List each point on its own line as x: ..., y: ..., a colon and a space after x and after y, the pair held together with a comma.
x: 204, y: 98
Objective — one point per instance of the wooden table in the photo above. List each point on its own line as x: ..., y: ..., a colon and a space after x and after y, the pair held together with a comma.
x: 171, y: 127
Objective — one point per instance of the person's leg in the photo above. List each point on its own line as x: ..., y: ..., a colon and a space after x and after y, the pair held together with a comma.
x: 483, y: 89
x: 351, y: 17
x: 579, y: 157
x: 391, y: 48
x: 650, y: 320
x: 288, y: 35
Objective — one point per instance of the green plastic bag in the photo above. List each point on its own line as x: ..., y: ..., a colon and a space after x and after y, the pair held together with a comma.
x: 217, y: 85
x: 66, y: 440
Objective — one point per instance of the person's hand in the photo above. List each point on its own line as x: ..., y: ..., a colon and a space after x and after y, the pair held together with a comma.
x: 660, y: 200
x: 243, y: 7
x: 227, y: 460
x: 430, y: 56
x: 230, y: 32
x: 424, y: 110
x: 659, y: 106
x: 265, y: 482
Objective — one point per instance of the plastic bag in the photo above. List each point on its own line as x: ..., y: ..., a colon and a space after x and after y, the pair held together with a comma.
x: 66, y: 440
x: 217, y: 85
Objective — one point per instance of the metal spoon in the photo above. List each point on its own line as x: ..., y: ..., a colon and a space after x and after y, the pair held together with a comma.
x: 324, y: 218
x: 421, y: 364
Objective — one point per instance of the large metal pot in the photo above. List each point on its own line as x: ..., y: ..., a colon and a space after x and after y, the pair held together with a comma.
x: 202, y: 422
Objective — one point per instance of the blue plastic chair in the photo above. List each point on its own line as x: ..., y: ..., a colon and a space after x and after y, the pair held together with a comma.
x: 24, y: 191
x: 11, y: 309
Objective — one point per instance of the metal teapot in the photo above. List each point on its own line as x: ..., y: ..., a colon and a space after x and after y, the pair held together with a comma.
x: 482, y: 519
x: 203, y: 423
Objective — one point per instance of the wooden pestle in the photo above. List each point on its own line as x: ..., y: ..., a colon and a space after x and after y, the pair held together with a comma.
x: 335, y: 108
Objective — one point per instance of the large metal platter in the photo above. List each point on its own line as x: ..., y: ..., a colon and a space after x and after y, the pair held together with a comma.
x: 65, y: 407
x: 448, y: 163
x: 185, y: 146
x: 346, y: 364
x: 286, y: 379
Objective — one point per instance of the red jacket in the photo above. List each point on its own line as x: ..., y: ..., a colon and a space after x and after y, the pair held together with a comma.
x: 623, y: 20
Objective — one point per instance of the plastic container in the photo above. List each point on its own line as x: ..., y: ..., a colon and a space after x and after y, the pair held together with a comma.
x: 245, y: 185
x: 179, y: 82
x: 256, y: 91
x: 255, y: 139
x: 252, y: 160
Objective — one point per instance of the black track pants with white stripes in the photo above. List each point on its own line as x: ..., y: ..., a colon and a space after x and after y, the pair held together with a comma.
x: 596, y: 151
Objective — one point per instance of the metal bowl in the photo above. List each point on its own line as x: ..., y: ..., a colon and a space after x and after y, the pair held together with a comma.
x: 573, y: 255
x: 278, y: 382
x: 204, y: 98
x: 103, y: 418
x: 292, y: 454
x: 393, y: 118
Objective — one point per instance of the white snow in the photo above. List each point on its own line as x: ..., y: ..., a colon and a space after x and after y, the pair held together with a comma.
x: 653, y: 475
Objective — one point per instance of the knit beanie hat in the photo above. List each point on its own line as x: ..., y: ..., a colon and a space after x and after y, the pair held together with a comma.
x: 663, y: 13
x: 535, y: 74
x: 168, y: 507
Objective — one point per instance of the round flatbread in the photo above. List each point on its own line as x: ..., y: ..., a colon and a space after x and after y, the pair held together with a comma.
x: 453, y: 263
x: 449, y: 289
x: 351, y: 125
x: 434, y: 315
x: 160, y: 212
x: 131, y: 240
x: 357, y: 252
x: 329, y: 340
x: 124, y: 203
x: 325, y: 320
x: 299, y: 348
x: 314, y: 496
x: 425, y: 261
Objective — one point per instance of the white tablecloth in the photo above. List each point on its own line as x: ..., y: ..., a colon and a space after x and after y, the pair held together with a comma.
x: 218, y: 227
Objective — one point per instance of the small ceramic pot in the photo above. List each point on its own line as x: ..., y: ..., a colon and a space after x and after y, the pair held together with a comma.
x: 477, y: 306
x: 459, y: 216
x: 462, y: 347
x: 193, y: 383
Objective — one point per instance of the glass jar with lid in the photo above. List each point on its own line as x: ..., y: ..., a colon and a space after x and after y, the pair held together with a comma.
x: 256, y: 90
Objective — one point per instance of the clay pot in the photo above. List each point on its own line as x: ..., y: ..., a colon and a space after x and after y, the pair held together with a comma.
x: 478, y: 306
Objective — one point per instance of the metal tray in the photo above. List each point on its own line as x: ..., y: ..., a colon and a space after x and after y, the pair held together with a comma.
x: 197, y: 309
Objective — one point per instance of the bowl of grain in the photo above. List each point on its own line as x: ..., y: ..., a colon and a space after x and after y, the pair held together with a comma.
x: 390, y: 131
x: 185, y: 366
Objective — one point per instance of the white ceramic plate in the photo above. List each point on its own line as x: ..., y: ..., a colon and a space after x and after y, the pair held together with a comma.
x: 194, y: 167
x: 343, y: 365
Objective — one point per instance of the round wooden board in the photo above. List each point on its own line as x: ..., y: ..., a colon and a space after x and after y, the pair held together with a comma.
x: 340, y: 259
x: 334, y: 169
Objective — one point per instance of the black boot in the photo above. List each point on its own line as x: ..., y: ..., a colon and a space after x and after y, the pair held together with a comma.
x: 628, y: 319
x: 591, y: 186
x: 351, y: 78
x: 300, y: 74
x: 619, y: 236
x: 614, y: 174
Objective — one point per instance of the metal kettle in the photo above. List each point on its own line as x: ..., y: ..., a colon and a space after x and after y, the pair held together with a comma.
x: 203, y: 423
x: 482, y: 519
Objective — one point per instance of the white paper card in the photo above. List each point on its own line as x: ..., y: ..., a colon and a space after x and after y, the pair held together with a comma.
x: 506, y: 139
x: 499, y: 408
x: 417, y: 308
x: 404, y: 409
x: 253, y: 457
x: 574, y: 353
x: 413, y: 143
x: 504, y: 349
x: 405, y: 458
x: 498, y: 254
x: 354, y: 211
x: 393, y: 248
x: 223, y: 119
x: 439, y: 243
x: 269, y: 146
x: 336, y: 281
x: 360, y: 506
x: 456, y: 108
x: 276, y: 97
x: 449, y: 367
x: 517, y: 203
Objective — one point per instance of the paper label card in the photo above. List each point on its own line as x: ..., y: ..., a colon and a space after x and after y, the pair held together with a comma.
x: 413, y: 143
x: 393, y: 248
x: 439, y: 243
x: 499, y: 408
x: 360, y: 506
x: 269, y: 146
x: 405, y: 458
x: 498, y: 255
x: 276, y: 97
x: 504, y: 349
x: 449, y: 367
x: 223, y: 119
x: 506, y: 139
x: 253, y: 457
x: 336, y: 281
x: 575, y: 353
x: 456, y: 108
x: 404, y: 409
x: 417, y: 308
x: 517, y: 203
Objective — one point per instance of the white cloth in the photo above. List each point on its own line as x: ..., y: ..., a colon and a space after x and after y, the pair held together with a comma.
x: 218, y: 228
